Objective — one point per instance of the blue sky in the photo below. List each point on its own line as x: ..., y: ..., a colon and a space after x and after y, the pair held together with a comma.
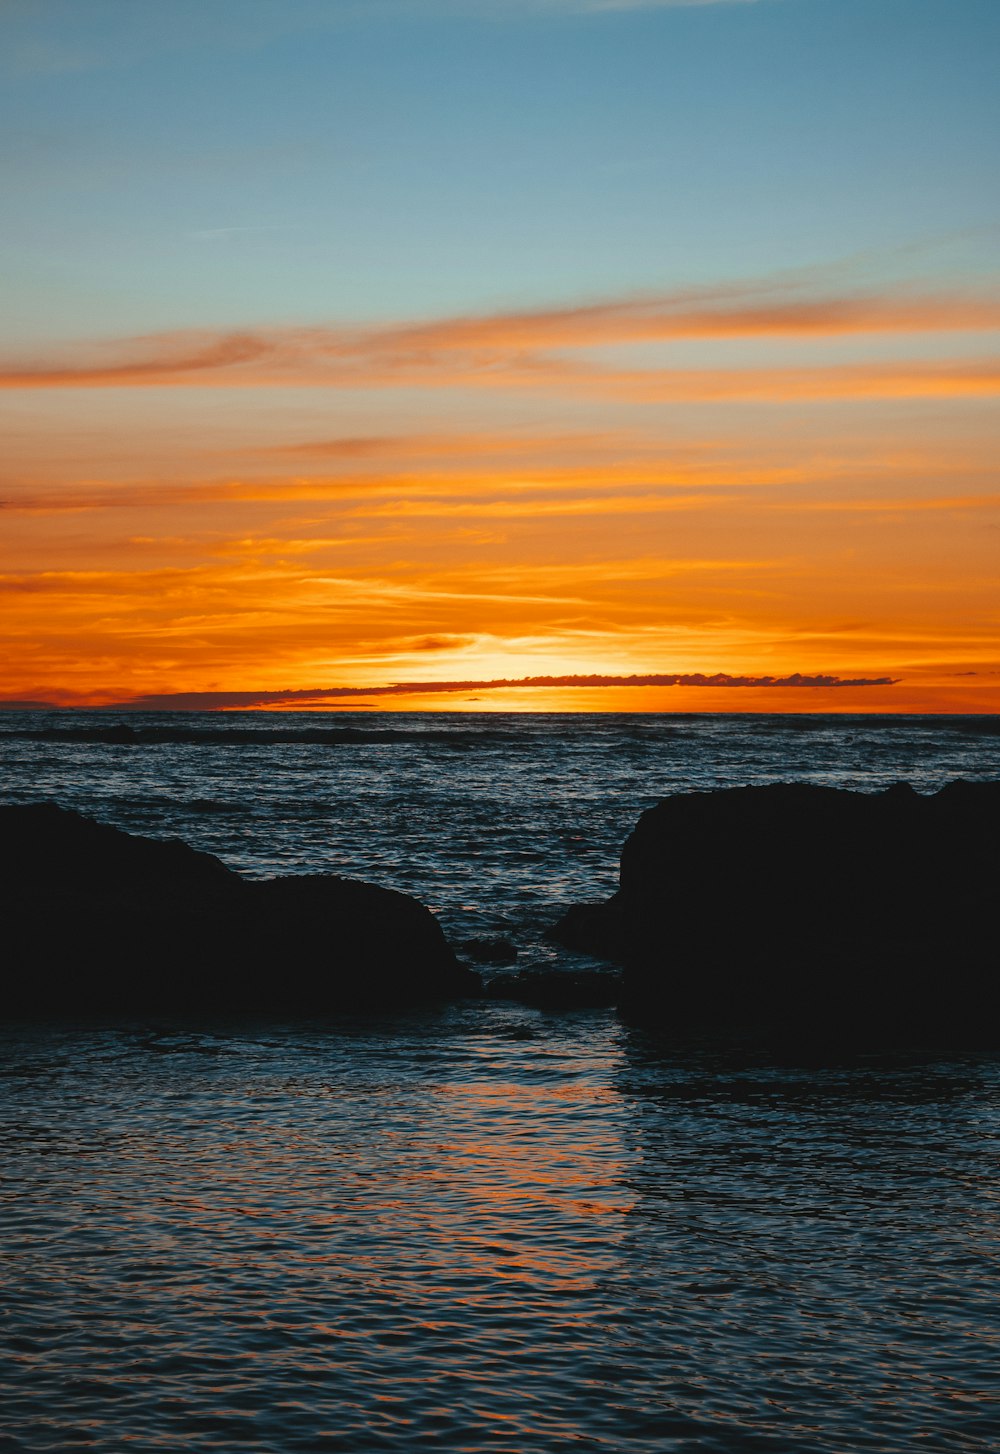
x: 224, y: 162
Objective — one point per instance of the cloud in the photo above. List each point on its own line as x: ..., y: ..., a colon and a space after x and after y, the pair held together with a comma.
x: 418, y: 473
x: 592, y: 5
x: 220, y: 701
x: 451, y: 445
x: 56, y: 37
x: 528, y: 9
x: 154, y: 360
x: 557, y: 349
x: 222, y: 234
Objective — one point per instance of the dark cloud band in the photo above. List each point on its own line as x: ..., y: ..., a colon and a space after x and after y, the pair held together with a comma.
x: 214, y: 701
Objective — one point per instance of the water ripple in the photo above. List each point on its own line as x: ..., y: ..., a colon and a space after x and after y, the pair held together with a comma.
x: 429, y: 1232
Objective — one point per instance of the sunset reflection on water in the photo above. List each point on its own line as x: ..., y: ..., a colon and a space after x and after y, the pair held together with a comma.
x: 490, y: 1228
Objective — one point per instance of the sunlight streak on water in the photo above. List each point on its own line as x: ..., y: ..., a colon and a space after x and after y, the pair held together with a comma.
x: 489, y: 1228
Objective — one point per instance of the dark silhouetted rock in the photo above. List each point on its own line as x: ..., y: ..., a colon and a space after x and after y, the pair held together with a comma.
x: 791, y: 905
x: 101, y: 921
x: 489, y: 951
x: 558, y: 989
x: 595, y: 929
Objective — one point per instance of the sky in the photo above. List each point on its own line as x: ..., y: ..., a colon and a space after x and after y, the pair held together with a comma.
x: 501, y: 354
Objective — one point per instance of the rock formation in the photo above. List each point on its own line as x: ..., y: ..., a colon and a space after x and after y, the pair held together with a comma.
x: 97, y: 921
x: 812, y: 907
x: 560, y: 989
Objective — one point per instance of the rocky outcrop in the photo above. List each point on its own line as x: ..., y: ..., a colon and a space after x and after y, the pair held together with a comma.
x: 800, y: 906
x: 489, y: 951
x: 100, y: 921
x: 560, y: 989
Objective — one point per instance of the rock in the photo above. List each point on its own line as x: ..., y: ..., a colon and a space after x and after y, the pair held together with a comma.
x: 558, y: 989
x: 489, y: 951
x: 792, y: 905
x: 595, y: 929
x: 100, y: 921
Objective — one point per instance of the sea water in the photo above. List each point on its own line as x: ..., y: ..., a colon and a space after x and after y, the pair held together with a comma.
x: 482, y: 1227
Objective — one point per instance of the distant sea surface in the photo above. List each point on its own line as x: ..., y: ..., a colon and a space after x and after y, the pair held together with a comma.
x: 495, y: 821
x: 482, y: 1227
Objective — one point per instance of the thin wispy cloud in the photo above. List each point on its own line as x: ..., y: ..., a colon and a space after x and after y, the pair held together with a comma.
x: 528, y: 9
x: 558, y: 349
x: 592, y: 5
x: 222, y: 234
x: 51, y: 37
x: 208, y: 701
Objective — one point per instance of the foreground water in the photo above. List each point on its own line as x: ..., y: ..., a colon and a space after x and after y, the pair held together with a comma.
x: 488, y: 1229
x: 483, y: 1227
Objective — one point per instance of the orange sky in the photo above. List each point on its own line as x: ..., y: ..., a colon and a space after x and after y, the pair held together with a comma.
x: 474, y: 499
x: 562, y: 493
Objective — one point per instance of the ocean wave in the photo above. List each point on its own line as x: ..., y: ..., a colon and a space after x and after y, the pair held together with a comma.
x: 125, y: 735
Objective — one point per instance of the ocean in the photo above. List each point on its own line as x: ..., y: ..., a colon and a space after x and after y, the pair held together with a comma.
x: 482, y: 1226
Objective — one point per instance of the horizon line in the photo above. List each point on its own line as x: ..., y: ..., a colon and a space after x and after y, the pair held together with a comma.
x: 220, y: 701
